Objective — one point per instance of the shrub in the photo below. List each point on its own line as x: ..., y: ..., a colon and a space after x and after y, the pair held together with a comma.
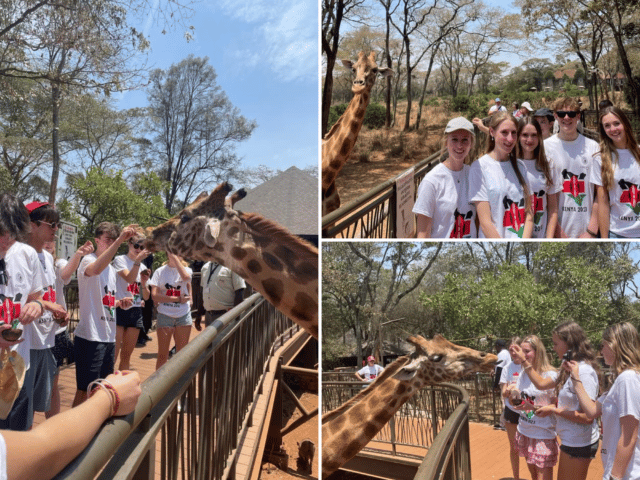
x: 374, y: 117
x: 460, y: 103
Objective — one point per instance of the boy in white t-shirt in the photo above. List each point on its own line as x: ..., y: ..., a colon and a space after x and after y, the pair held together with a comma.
x: 572, y: 155
x: 370, y: 371
x: 95, y: 335
x: 21, y: 293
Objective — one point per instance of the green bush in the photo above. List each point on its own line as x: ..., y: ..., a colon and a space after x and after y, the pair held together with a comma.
x: 460, y: 103
x: 374, y: 117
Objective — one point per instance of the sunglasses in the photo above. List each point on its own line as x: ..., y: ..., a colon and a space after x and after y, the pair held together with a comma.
x: 52, y: 225
x: 562, y: 113
x: 137, y: 246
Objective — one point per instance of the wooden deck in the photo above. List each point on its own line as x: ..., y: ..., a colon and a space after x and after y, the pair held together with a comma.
x: 490, y: 456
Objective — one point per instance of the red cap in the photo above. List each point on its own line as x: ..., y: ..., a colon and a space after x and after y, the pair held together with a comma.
x: 371, y: 357
x: 33, y: 205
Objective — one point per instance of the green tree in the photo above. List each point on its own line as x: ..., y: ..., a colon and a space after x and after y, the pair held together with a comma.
x: 102, y: 196
x: 196, y: 129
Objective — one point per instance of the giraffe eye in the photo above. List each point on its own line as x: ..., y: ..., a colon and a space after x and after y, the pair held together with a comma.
x: 436, y: 358
x: 184, y: 218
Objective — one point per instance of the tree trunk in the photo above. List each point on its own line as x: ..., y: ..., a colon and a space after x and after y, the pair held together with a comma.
x: 55, y: 139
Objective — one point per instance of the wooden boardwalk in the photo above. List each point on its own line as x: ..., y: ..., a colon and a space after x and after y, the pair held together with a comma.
x: 490, y: 456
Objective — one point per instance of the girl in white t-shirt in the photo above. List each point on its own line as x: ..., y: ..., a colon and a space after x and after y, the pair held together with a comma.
x: 616, y: 174
x: 578, y: 433
x: 498, y: 188
x: 508, y: 382
x: 442, y: 205
x: 620, y: 406
x: 539, y: 174
x: 171, y: 291
x: 536, y: 436
x: 131, y: 282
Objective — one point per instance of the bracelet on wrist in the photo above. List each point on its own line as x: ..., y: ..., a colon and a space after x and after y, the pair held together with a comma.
x: 41, y: 306
x: 136, y: 264
x: 594, y: 235
x: 611, y: 477
x: 576, y: 380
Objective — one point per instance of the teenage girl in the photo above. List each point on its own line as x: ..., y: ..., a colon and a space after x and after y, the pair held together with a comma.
x: 616, y: 174
x: 498, y: 188
x: 539, y: 174
x: 508, y: 382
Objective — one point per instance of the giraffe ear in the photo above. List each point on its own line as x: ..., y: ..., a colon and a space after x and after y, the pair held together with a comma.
x: 420, y: 343
x: 408, y: 371
x: 211, y: 233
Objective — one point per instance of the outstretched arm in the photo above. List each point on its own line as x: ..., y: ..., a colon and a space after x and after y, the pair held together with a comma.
x: 59, y: 439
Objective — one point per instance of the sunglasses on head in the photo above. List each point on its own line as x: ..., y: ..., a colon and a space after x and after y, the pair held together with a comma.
x: 562, y: 113
x: 52, y: 225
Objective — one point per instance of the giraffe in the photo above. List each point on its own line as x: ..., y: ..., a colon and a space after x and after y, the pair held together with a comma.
x: 348, y: 428
x: 281, y: 266
x: 339, y: 142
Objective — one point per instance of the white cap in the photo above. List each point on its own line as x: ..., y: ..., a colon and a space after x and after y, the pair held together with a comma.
x: 459, y: 123
x: 527, y: 106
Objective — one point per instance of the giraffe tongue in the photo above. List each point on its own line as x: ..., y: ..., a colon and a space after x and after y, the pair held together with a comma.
x: 211, y: 233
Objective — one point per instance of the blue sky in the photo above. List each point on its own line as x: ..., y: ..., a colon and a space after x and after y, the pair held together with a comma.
x: 266, y: 57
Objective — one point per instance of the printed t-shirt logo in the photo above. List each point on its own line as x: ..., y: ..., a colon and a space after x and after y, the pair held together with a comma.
x: 630, y: 195
x: 461, y: 224
x: 49, y: 295
x: 537, y: 204
x: 573, y: 185
x: 172, y: 291
x: 10, y: 308
x: 514, y: 216
x: 109, y: 301
x: 134, y: 289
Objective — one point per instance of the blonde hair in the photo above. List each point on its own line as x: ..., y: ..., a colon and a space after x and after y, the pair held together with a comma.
x: 541, y: 362
x: 625, y: 343
x: 608, y: 151
x: 496, y: 120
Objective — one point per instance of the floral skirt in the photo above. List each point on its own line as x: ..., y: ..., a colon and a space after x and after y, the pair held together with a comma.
x: 541, y: 453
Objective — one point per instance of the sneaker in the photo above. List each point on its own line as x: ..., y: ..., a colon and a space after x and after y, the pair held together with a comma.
x: 172, y: 352
x: 142, y: 343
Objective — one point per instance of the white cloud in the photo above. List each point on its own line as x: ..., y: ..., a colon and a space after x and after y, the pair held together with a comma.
x: 285, y: 37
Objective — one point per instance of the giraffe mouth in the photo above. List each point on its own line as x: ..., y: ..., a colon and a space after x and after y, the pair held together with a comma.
x: 211, y: 233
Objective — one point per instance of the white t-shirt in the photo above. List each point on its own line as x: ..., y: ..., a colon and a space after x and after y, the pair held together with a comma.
x: 24, y: 277
x: 624, y: 196
x: 504, y: 359
x: 495, y: 109
x: 169, y: 282
x: 44, y: 328
x: 530, y: 425
x: 97, y: 299
x: 3, y: 459
x: 443, y: 196
x: 60, y: 300
x: 124, y: 289
x: 219, y: 285
x: 539, y: 190
x: 573, y: 162
x: 510, y: 376
x: 575, y: 434
x: 370, y: 373
x: 496, y: 182
x: 620, y: 401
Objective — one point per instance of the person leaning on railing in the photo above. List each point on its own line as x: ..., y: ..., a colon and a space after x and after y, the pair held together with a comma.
x: 44, y: 451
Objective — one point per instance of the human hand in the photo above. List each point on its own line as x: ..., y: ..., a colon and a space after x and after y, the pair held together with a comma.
x: 128, y: 232
x: 29, y: 312
x: 57, y: 310
x: 6, y: 343
x: 85, y: 249
x: 125, y: 303
x: 516, y: 352
x: 127, y: 385
x: 142, y: 255
x: 545, y: 411
x: 572, y: 367
x: 185, y: 298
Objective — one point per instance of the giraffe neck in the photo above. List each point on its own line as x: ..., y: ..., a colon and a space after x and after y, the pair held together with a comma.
x: 346, y: 430
x: 282, y: 267
x: 339, y: 142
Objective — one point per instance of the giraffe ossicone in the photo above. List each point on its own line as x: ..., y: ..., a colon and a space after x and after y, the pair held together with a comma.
x: 278, y: 264
x: 348, y: 428
x: 338, y: 143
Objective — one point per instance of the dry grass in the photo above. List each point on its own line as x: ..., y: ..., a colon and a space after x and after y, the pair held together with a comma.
x: 382, y: 154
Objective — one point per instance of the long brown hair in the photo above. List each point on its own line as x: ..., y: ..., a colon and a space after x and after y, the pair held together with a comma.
x: 625, y: 343
x: 608, y: 151
x: 496, y: 120
x: 542, y: 164
x: 581, y: 350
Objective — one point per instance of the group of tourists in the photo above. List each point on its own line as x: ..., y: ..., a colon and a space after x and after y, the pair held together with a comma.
x: 532, y: 184
x: 543, y: 404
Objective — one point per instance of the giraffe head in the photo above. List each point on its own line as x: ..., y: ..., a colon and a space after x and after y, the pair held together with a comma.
x: 186, y: 233
x: 439, y: 360
x: 365, y: 71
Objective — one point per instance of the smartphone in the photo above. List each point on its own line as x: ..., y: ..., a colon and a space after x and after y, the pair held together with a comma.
x: 568, y: 355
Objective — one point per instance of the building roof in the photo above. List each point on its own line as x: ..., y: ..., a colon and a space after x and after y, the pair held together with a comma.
x: 290, y: 199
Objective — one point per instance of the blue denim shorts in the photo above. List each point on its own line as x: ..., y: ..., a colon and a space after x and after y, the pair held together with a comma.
x: 165, y: 321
